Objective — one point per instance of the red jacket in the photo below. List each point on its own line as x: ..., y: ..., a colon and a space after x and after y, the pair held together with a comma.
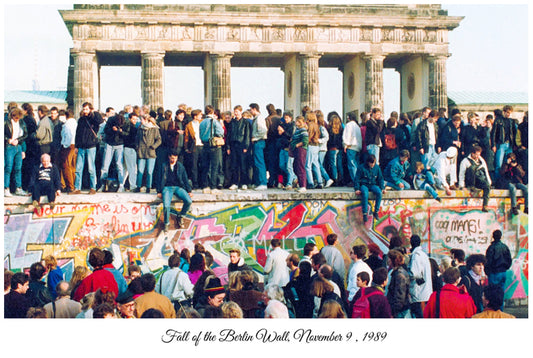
x: 455, y: 302
x: 99, y: 279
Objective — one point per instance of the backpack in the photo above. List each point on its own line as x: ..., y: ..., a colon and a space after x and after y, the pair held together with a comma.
x: 474, y: 173
x: 390, y: 141
x: 361, y: 307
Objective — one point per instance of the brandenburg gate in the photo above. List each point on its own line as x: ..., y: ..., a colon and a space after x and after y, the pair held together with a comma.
x: 359, y: 40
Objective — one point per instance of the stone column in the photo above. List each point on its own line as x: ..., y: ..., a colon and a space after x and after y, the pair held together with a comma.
x: 374, y: 82
x: 83, y: 83
x: 152, y: 79
x: 438, y: 96
x: 221, y: 81
x: 309, y: 89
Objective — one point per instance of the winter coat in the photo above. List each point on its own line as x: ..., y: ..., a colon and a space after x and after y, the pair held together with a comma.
x: 420, y: 270
x: 498, y: 258
x: 455, y: 302
x: 368, y: 176
x: 86, y: 130
x: 148, y: 139
x: 396, y: 171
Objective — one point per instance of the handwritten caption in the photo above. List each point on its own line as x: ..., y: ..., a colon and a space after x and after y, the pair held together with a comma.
x: 263, y: 335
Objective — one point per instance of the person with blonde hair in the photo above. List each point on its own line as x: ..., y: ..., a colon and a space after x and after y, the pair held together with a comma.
x: 231, y: 310
x: 332, y: 309
x: 312, y: 166
x: 80, y: 272
x: 55, y: 274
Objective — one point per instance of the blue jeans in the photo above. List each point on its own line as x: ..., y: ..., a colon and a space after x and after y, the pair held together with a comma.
x: 501, y: 151
x: 406, y: 185
x: 13, y: 163
x: 149, y: 164
x: 498, y: 279
x: 352, y: 158
x: 90, y: 154
x: 427, y: 187
x: 334, y: 160
x: 312, y: 166
x: 259, y: 162
x: 364, y: 197
x: 512, y: 192
x: 373, y: 149
x: 286, y: 164
x: 428, y: 155
x: 130, y: 160
x: 115, y: 152
x: 323, y: 172
x: 168, y: 193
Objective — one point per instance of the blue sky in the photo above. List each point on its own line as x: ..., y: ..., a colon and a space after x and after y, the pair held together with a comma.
x: 489, y: 53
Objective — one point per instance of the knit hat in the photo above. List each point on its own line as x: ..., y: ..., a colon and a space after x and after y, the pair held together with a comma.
x: 214, y: 287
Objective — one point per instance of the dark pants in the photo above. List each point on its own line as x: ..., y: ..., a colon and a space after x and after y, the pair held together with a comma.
x: 213, y: 162
x: 239, y: 164
x: 416, y: 310
x: 272, y: 162
x: 195, y: 167
x: 300, y: 156
x: 479, y: 182
x: 44, y: 187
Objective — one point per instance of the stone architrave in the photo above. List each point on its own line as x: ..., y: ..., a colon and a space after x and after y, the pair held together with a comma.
x: 83, y: 79
x: 221, y: 81
x: 309, y: 92
x: 438, y: 96
x: 152, y: 79
x: 373, y: 81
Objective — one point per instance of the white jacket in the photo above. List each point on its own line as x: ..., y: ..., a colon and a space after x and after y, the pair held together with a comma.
x: 175, y: 285
x: 419, y: 267
x: 445, y: 166
x: 276, y: 267
x: 351, y: 137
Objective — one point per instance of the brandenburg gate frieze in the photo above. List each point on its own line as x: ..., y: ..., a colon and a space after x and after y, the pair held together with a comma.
x: 359, y: 40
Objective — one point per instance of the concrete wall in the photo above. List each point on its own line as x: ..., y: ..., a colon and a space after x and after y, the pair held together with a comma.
x: 128, y: 224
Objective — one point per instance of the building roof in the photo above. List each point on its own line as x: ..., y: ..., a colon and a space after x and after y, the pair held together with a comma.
x: 59, y: 97
x: 480, y: 97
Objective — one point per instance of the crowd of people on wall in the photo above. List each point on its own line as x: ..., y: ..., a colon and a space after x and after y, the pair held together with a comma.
x: 403, y: 283
x: 57, y: 151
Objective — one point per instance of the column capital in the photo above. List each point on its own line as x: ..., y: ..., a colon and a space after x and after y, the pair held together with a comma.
x: 433, y: 57
x: 157, y: 54
x: 78, y: 52
x: 221, y: 54
x: 370, y: 56
x: 310, y: 55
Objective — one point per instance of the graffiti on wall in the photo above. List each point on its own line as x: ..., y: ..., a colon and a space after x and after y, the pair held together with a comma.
x: 133, y: 232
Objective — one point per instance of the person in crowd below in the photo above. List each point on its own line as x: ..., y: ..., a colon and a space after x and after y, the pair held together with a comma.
x: 474, y: 174
x: 449, y: 134
x: 420, y: 275
x: 298, y: 292
x: 86, y: 141
x: 258, y: 137
x: 335, y: 149
x: 185, y: 260
x: 104, y: 310
x: 45, y: 181
x: 503, y: 136
x: 63, y: 306
x: 87, y: 303
x: 398, y: 288
x: 38, y: 294
x: 492, y: 301
x: 15, y: 134
x: 238, y: 142
x: 427, y: 136
x: 67, y: 151
x: 276, y: 309
x: 36, y: 312
x: 196, y: 268
x: 333, y: 256
x: 369, y: 179
x: 353, y: 144
x: 272, y: 122
x: 129, y: 131
x: 475, y: 279
x: 458, y: 260
x: 512, y: 177
x: 194, y: 150
x: 246, y: 295
x: 213, y: 296
x: 236, y: 261
x: 391, y: 136
x: 323, y: 148
x: 125, y: 305
x: 275, y: 269
x: 286, y: 130
x: 374, y: 260
x: 114, y: 150
x: 134, y: 271
x: 152, y: 299
x: 332, y: 309
x: 445, y: 168
x: 7, y: 280
x: 119, y: 278
x: 210, y: 128
x: 374, y: 127
x: 454, y: 301
x: 175, y: 284
x: 16, y: 304
x: 357, y: 254
x: 436, y: 280
x: 312, y: 166
x: 309, y: 250
x: 379, y: 305
x: 396, y: 172
x: 55, y: 274
x: 99, y: 279
x: 231, y: 310
x: 148, y: 139
x: 292, y: 263
x: 298, y: 146
x: 80, y: 272
x: 423, y: 180
x: 499, y: 260
x: 174, y: 181
x: 322, y: 291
